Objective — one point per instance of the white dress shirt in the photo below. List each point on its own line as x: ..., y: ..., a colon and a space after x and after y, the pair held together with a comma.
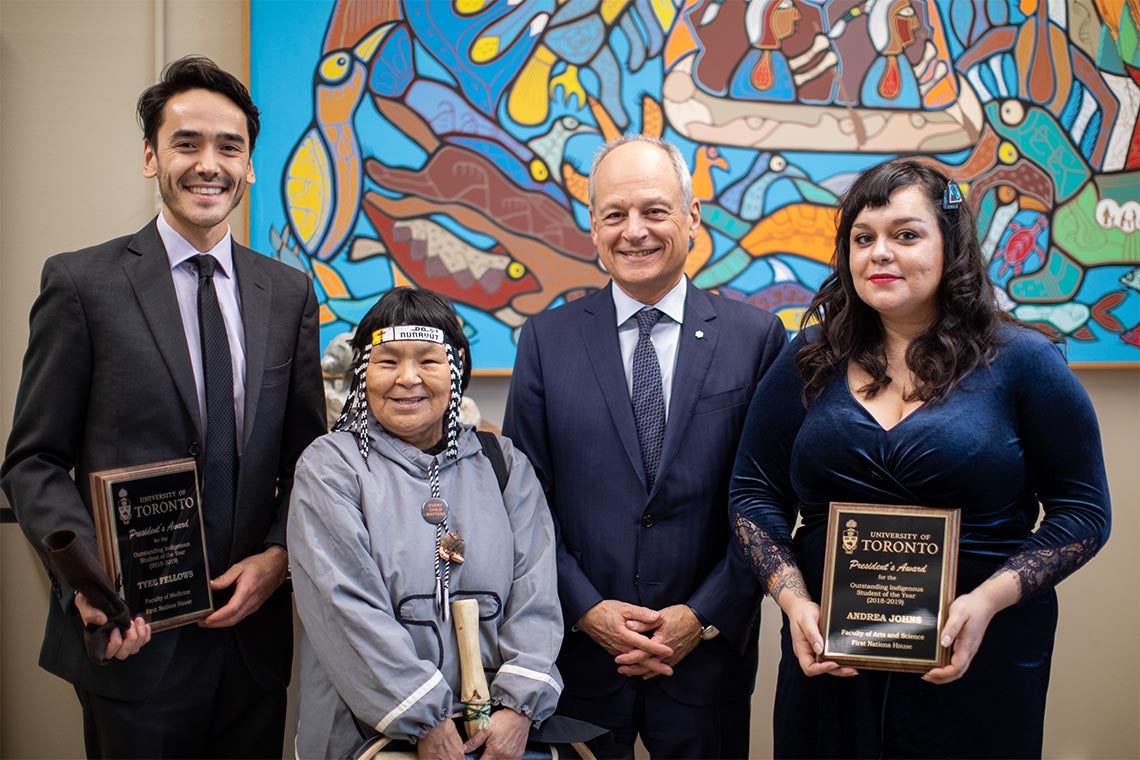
x: 179, y: 251
x: 665, y: 335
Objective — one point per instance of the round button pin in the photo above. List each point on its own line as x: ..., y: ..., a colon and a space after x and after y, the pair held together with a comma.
x: 434, y: 511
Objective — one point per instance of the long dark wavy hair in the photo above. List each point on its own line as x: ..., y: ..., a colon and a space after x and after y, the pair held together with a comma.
x: 964, y: 334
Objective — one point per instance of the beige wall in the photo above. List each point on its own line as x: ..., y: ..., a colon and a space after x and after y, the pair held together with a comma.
x: 71, y: 155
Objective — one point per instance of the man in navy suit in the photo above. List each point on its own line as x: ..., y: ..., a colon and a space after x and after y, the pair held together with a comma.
x: 113, y: 377
x: 662, y: 608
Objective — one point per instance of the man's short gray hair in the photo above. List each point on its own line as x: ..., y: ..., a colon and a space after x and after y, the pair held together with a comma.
x: 680, y: 168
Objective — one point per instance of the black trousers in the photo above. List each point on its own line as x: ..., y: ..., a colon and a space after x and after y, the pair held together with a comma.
x: 668, y: 728
x: 207, y: 706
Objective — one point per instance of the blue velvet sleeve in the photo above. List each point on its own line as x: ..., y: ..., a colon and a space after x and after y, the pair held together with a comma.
x: 1065, y: 464
x: 762, y: 500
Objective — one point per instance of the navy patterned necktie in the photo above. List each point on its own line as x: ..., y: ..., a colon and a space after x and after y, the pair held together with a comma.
x: 648, y: 399
x: 220, y: 458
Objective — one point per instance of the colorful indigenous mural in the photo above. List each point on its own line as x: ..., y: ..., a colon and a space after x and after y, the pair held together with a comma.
x: 445, y: 144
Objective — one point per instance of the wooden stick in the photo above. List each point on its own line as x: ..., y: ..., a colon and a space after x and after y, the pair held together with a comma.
x: 475, y: 695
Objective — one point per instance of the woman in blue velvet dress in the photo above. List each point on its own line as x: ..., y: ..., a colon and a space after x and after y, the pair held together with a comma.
x: 914, y: 388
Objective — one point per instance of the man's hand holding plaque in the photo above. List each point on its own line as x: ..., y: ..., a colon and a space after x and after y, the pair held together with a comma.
x: 249, y: 583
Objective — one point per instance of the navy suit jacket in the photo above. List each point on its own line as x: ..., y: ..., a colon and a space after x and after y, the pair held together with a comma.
x: 107, y: 382
x: 569, y: 410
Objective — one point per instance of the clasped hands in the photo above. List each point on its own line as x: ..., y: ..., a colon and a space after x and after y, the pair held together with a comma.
x: 645, y: 643
x: 504, y: 738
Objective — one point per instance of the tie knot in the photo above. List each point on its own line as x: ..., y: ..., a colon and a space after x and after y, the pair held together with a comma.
x: 646, y: 318
x: 205, y: 263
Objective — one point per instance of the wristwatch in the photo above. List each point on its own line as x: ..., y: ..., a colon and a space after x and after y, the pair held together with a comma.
x: 708, y: 630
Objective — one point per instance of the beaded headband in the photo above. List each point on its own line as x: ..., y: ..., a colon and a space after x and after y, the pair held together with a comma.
x: 408, y: 332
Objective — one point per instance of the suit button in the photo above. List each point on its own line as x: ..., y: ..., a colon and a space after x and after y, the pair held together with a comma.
x: 195, y: 449
x: 647, y: 521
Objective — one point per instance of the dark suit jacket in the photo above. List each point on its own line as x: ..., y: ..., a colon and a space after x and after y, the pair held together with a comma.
x: 107, y: 383
x: 569, y: 410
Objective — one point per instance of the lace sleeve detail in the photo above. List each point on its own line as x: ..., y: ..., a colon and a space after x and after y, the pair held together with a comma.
x: 1040, y: 569
x: 772, y: 562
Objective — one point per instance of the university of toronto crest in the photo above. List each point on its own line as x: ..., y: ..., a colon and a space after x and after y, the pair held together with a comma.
x: 850, y: 537
x: 124, y: 507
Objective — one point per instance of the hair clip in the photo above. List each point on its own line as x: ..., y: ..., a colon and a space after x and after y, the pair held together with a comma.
x: 951, y: 196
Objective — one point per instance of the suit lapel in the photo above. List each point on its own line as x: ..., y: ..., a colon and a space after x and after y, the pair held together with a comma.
x: 149, y: 275
x: 255, y: 290
x: 694, y: 358
x: 599, y: 333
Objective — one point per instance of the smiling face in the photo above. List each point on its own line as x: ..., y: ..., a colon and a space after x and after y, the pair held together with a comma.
x: 408, y: 384
x: 201, y: 159
x: 639, y: 222
x: 896, y: 256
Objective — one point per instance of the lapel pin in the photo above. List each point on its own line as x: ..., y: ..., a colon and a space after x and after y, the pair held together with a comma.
x: 700, y: 334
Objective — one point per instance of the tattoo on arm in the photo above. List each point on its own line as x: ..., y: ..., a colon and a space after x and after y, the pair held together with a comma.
x: 791, y: 580
x: 1040, y: 569
x: 774, y: 564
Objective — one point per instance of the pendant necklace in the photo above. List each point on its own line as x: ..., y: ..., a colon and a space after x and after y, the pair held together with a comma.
x: 449, y: 545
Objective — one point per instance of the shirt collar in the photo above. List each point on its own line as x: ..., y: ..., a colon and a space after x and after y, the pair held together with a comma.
x: 672, y: 305
x: 179, y: 250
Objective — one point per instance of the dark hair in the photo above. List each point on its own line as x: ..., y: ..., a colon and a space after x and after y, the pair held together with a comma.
x: 964, y: 334
x: 415, y: 306
x: 195, y: 72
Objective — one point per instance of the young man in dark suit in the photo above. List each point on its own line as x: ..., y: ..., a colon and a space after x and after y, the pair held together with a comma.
x: 629, y: 402
x: 115, y: 375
